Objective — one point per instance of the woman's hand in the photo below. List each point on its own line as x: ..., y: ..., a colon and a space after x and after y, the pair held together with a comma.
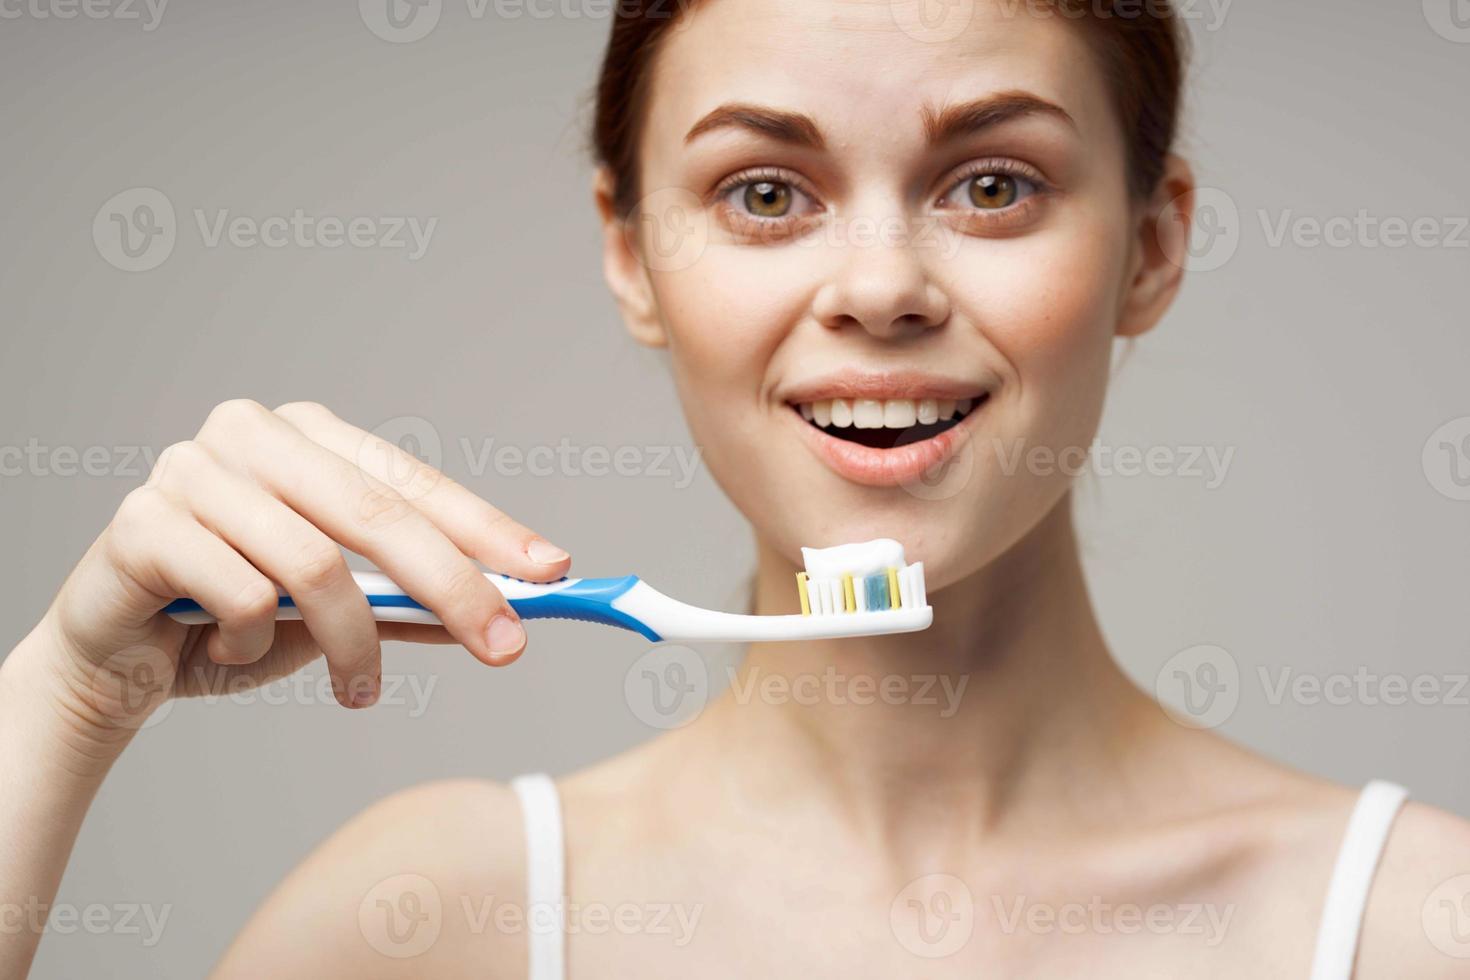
x: 257, y: 497
x: 260, y: 497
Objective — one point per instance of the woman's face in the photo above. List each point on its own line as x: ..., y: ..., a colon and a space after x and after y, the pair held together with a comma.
x: 845, y: 218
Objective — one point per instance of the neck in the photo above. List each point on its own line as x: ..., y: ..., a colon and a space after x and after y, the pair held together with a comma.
x: 1004, y: 709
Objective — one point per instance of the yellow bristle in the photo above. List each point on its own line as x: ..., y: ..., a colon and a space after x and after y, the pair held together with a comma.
x: 806, y: 602
x: 893, y: 596
x: 849, y: 600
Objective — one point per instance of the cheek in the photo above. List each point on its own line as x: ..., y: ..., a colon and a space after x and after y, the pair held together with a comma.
x: 1051, y: 314
x: 726, y: 314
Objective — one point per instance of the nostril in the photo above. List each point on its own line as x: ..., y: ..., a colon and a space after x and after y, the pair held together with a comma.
x: 916, y: 322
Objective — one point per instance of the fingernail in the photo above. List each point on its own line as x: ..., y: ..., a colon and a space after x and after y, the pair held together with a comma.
x: 364, y: 692
x: 543, y: 552
x: 506, y: 636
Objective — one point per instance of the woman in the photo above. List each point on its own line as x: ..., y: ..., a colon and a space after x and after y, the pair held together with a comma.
x: 810, y: 205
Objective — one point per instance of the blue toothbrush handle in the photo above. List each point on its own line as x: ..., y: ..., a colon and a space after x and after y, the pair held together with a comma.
x: 589, y: 600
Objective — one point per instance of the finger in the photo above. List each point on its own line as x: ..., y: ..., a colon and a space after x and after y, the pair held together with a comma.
x: 476, y: 527
x: 414, y: 633
x: 160, y: 548
x: 357, y: 510
x: 286, y: 547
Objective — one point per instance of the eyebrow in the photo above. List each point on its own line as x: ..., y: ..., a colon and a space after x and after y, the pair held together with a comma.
x: 940, y: 127
x: 780, y: 124
x: 980, y: 114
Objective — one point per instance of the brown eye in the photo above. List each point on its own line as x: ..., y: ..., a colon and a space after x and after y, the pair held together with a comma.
x: 993, y: 191
x: 768, y: 198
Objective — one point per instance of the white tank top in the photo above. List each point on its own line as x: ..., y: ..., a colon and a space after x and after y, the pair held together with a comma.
x: 1337, y: 932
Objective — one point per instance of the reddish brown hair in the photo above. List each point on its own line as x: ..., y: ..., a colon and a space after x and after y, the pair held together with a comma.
x: 1140, y: 46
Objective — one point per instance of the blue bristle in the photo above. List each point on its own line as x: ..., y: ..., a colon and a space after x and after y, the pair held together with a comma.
x: 876, y: 590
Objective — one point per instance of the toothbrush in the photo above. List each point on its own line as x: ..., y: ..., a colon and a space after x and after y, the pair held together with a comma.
x: 850, y: 590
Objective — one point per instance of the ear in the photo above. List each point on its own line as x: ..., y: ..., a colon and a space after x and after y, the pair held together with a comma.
x: 1161, y: 248
x: 623, y: 268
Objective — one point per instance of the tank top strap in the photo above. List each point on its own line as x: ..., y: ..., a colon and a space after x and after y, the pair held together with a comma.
x: 545, y: 875
x: 1352, y: 878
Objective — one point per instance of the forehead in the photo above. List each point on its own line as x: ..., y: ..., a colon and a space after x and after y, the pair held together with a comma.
x: 863, y: 69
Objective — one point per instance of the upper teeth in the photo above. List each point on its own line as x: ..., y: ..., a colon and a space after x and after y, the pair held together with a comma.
x: 890, y: 413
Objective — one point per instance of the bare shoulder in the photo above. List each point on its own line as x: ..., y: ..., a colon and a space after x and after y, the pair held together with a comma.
x: 427, y: 882
x: 1418, y: 917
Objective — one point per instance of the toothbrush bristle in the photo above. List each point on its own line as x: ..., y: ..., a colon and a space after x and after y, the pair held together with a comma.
x: 893, y: 588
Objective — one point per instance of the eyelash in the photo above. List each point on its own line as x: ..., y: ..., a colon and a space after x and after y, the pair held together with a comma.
x: 999, y: 217
x: 1008, y: 168
x: 743, y: 179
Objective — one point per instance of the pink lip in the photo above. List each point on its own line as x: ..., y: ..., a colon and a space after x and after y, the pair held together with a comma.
x: 885, y: 467
x: 879, y: 385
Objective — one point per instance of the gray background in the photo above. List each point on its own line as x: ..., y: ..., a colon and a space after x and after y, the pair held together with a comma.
x: 1327, y: 548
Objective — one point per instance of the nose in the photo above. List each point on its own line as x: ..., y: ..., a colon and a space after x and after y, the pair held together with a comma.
x: 883, y: 288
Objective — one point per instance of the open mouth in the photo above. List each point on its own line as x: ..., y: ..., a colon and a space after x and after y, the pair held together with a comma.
x: 887, y: 423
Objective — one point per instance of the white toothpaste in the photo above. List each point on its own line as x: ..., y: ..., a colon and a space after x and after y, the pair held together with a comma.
x: 857, y: 560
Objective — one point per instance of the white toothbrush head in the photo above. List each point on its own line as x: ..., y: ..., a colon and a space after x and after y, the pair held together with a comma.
x: 863, y: 589
x: 856, y: 579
